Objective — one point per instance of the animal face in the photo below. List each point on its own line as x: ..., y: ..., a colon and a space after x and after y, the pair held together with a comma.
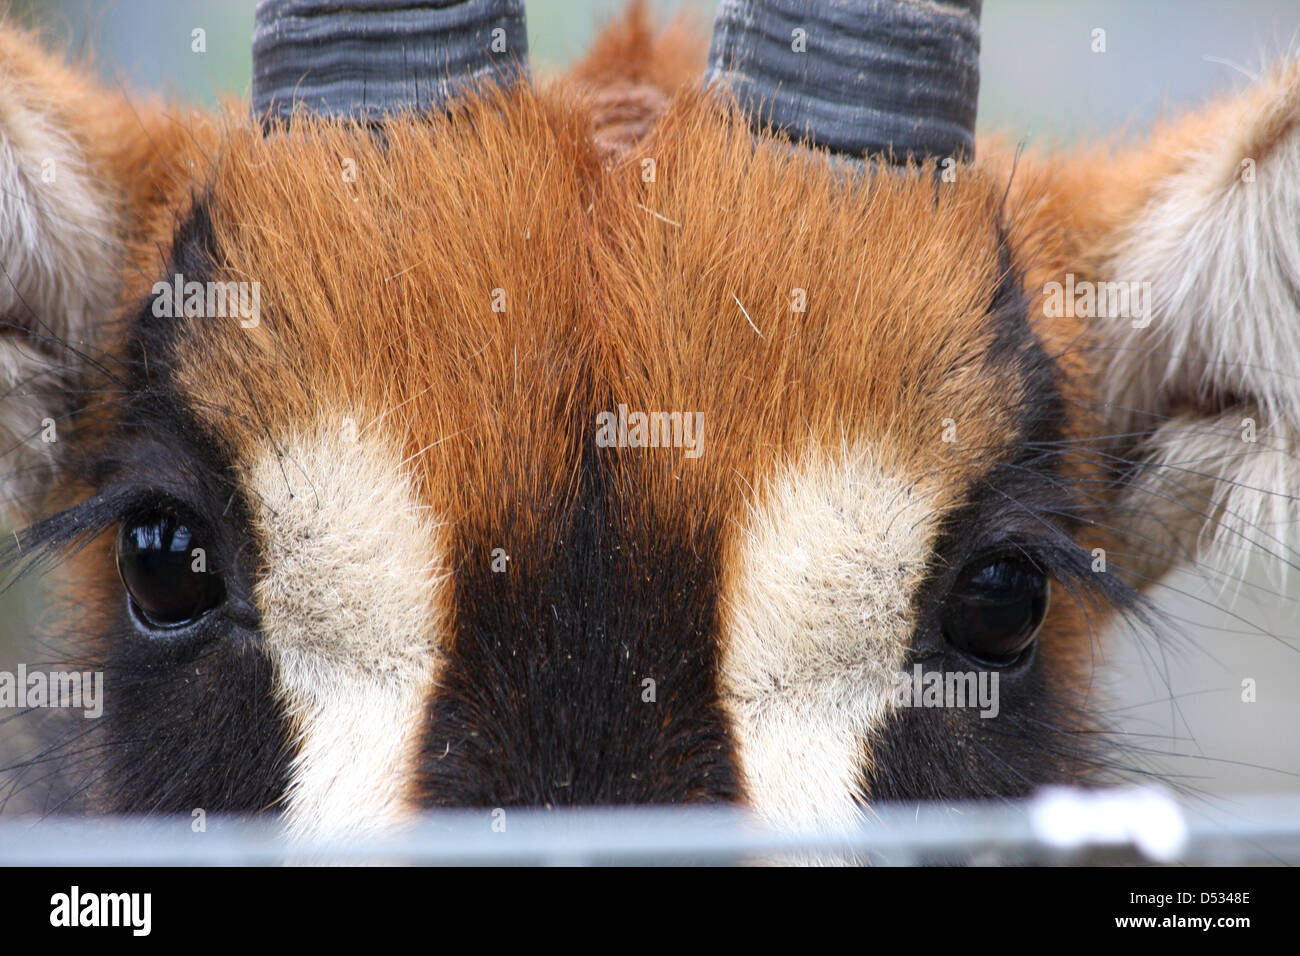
x: 462, y: 457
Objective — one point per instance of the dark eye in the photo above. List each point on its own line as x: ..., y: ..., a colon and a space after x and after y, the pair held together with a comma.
x: 996, y: 607
x: 166, y: 569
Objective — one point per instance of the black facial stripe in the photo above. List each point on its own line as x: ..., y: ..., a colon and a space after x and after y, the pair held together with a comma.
x: 1016, y: 346
x: 190, y: 721
x: 950, y: 753
x: 194, y: 257
x: 155, y: 404
x: 193, y: 725
x: 543, y: 700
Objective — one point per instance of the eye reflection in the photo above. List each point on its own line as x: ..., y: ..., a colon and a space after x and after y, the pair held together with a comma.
x: 165, y: 570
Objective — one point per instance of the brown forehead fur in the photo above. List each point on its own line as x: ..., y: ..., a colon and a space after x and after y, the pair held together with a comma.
x: 377, y: 294
x: 377, y: 303
x: 377, y: 297
x: 898, y: 277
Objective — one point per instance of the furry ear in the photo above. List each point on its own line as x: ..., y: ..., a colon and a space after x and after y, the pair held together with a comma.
x: 1202, y: 380
x: 60, y: 252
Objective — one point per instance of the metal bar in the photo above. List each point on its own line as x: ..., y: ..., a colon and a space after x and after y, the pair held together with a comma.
x: 1056, y: 826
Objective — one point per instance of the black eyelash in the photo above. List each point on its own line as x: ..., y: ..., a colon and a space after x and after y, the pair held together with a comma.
x: 39, y: 546
x: 1071, y: 566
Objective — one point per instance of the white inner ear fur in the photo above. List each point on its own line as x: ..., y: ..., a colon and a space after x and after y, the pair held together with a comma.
x: 1208, y: 494
x: 352, y: 606
x: 58, y: 246
x: 818, y: 615
x: 1222, y: 254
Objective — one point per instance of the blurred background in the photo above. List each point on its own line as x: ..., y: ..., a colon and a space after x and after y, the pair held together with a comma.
x: 1177, y: 696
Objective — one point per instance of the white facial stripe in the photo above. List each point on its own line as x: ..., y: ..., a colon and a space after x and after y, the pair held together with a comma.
x: 818, y: 616
x: 352, y: 607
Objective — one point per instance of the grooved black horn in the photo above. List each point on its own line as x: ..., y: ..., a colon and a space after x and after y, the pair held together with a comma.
x: 863, y: 76
x: 364, y: 58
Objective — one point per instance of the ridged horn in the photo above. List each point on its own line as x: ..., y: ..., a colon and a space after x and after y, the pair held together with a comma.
x: 873, y: 76
x: 365, y: 58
